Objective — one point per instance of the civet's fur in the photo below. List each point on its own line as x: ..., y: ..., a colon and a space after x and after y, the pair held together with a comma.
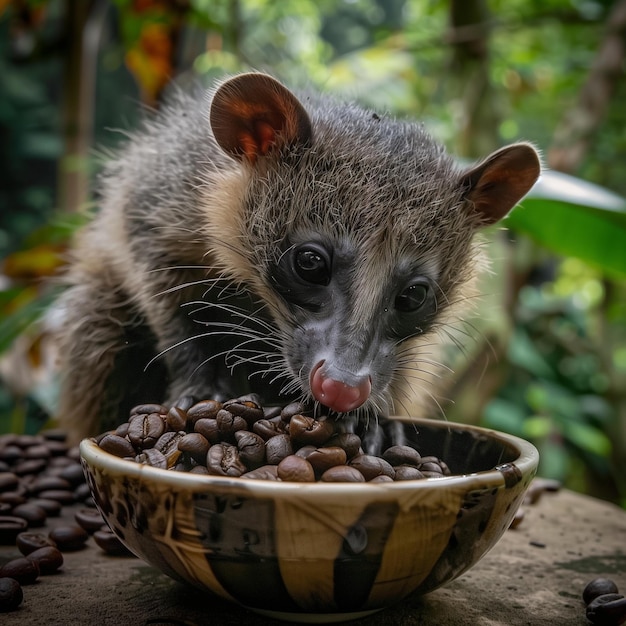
x: 190, y: 279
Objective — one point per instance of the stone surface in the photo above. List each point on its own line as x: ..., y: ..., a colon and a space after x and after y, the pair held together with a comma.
x: 535, y: 575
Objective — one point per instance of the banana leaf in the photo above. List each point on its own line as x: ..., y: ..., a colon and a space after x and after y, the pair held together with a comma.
x: 572, y: 217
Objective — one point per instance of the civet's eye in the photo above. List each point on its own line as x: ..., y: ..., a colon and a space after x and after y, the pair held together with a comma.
x: 312, y: 264
x: 412, y: 298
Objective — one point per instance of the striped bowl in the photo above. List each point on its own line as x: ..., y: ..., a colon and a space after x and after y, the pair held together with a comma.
x: 319, y: 552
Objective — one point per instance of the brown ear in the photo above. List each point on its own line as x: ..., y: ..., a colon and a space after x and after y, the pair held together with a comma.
x: 253, y: 113
x: 497, y: 184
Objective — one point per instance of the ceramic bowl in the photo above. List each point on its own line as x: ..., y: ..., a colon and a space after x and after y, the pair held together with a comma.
x: 319, y: 552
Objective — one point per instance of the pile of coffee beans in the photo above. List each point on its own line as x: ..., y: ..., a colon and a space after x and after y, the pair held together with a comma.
x: 39, y: 476
x: 240, y: 438
x: 605, y: 605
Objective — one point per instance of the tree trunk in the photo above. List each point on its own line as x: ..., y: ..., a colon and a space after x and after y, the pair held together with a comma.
x: 577, y: 129
x: 83, y: 25
x: 471, y: 88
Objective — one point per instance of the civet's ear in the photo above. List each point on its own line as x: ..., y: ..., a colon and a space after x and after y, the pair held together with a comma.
x: 497, y: 184
x: 253, y: 114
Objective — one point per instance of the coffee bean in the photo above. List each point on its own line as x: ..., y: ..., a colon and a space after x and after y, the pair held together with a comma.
x: 10, y: 453
x: 402, y: 455
x: 277, y: 448
x: 110, y: 543
x: 26, y: 441
x: 89, y: 519
x: 10, y: 528
x: 195, y: 445
x: 74, y: 454
x: 432, y: 467
x: 73, y: 474
x: 149, y: 408
x: 116, y: 445
x: 11, y: 594
x: 145, y: 429
x: 54, y: 434
x: 270, y: 412
x: 383, y: 478
x: 152, y: 457
x: 205, y: 408
x: 176, y: 419
x: 350, y: 443
x: 305, y: 451
x: 294, y: 408
x: 444, y: 468
x: 308, y: 430
x: 44, y: 483
x: 51, y: 507
x: 57, y: 448
x: 605, y: 610
x: 342, y: 474
x: 251, y: 448
x: 407, y: 472
x: 223, y: 460
x: 267, y: 428
x: 249, y: 409
x: 69, y: 538
x: 295, y: 469
x: 371, y: 466
x: 228, y: 424
x: 64, y: 496
x: 14, y: 498
x: 29, y: 466
x: 122, y: 430
x: 598, y: 587
x: 7, y: 439
x: 167, y: 444
x: 82, y: 493
x: 324, y: 458
x: 47, y: 558
x: 33, y: 514
x: 8, y: 481
x: 265, y: 472
x: 59, y: 462
x: 40, y: 451
x: 207, y: 427
x: 28, y: 542
x: 21, y: 569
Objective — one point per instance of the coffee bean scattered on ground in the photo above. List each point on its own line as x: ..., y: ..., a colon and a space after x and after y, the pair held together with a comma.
x: 240, y: 438
x: 39, y: 475
x: 605, y: 606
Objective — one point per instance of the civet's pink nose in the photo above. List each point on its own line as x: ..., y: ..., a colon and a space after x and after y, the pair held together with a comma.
x: 336, y: 395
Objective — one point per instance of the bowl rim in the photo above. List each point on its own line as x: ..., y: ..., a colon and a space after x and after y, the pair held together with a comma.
x: 526, y: 461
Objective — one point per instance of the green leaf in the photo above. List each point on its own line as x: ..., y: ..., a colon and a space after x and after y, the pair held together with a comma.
x: 523, y: 352
x: 30, y: 311
x: 587, y: 438
x: 554, y: 399
x: 537, y: 427
x: 505, y: 416
x: 575, y: 218
x: 554, y: 460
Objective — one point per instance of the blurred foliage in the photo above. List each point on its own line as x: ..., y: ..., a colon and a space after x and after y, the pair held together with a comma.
x: 561, y: 340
